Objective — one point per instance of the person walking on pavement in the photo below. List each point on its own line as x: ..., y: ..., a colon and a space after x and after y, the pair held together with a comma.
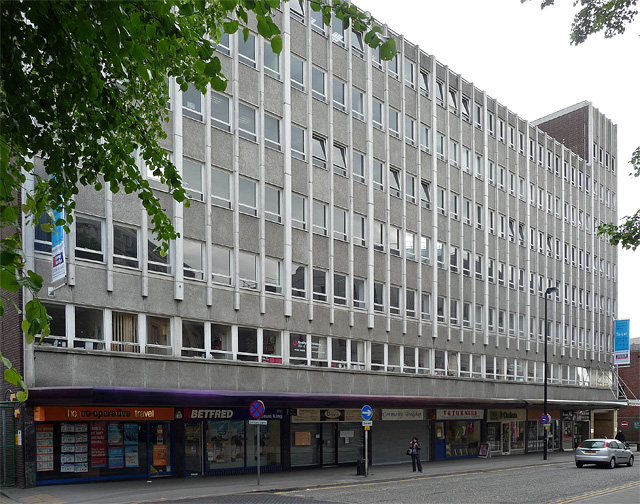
x: 621, y: 437
x: 415, y: 448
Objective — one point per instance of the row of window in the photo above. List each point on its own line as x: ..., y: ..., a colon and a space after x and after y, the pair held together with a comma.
x: 96, y: 329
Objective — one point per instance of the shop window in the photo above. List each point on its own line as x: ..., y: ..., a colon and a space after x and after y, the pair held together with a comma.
x: 89, y: 329
x: 158, y: 335
x: 221, y: 342
x: 247, y: 344
x: 124, y: 332
x: 271, y: 347
x: 192, y: 339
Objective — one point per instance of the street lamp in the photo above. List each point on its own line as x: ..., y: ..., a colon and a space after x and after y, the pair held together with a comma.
x: 550, y: 290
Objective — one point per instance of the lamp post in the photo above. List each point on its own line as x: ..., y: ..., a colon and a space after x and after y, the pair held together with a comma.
x: 550, y: 290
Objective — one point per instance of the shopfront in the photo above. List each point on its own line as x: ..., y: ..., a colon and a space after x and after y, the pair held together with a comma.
x: 506, y: 431
x: 77, y: 443
x: 457, y: 433
x: 326, y: 437
x: 575, y: 428
x: 536, y: 431
x: 393, y: 429
x: 222, y: 440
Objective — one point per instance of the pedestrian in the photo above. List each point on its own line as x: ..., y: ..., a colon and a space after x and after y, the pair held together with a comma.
x: 621, y: 437
x: 415, y: 448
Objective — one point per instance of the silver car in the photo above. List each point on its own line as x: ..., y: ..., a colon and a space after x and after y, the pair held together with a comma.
x: 606, y: 452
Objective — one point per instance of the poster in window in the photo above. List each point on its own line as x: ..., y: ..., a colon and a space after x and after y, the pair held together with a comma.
x: 116, y: 457
x: 115, y: 434
x: 44, y: 447
x: 131, y: 458
x: 160, y: 455
x: 98, y: 445
x: 130, y: 434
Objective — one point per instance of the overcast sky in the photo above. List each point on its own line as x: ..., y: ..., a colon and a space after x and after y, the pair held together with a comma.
x: 521, y: 56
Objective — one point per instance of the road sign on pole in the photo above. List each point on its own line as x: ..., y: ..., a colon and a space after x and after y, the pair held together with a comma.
x: 256, y: 410
x: 366, y: 412
x: 545, y: 418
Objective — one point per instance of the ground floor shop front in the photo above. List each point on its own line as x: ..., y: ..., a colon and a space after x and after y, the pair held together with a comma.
x: 83, y: 443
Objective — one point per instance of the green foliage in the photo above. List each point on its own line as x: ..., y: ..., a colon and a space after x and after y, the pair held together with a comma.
x: 15, y: 378
x: 83, y: 88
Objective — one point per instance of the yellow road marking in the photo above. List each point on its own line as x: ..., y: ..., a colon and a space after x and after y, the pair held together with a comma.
x: 596, y: 493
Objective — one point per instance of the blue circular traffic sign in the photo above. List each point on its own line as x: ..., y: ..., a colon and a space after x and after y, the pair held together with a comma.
x: 367, y: 412
x: 545, y: 418
x: 256, y: 409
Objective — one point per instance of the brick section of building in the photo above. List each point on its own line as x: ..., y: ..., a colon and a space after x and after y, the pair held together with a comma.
x: 571, y: 130
x: 631, y: 377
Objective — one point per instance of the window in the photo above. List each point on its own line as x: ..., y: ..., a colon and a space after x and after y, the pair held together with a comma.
x: 410, y: 245
x: 410, y: 303
x: 339, y: 224
x: 453, y: 311
x: 337, y: 31
x: 378, y: 236
x: 479, y: 266
x: 338, y: 95
x: 271, y: 131
x: 359, y: 293
x: 479, y: 165
x: 89, y: 239
x: 220, y: 188
x: 479, y: 216
x: 394, y: 240
x: 318, y: 84
x: 220, y: 111
x: 272, y: 204
x: 478, y: 319
x: 453, y: 205
x: 158, y: 335
x: 426, y: 306
x: 247, y: 122
x: 248, y: 270
x: 478, y: 115
x: 297, y: 73
x: 339, y: 289
x: 441, y: 309
x: 394, y: 126
x: 125, y: 246
x: 378, y: 175
x: 378, y: 297
x: 297, y: 143
x: 442, y: 201
x: 425, y: 194
x: 89, y: 328
x: 157, y: 262
x: 192, y: 103
x: 357, y: 103
x: 466, y: 263
x: 339, y: 160
x: 359, y: 229
x: 409, y: 73
x: 378, y: 118
x: 248, y: 198
x: 453, y: 259
x: 410, y: 188
x: 320, y: 218
x: 440, y: 146
x: 247, y: 344
x: 453, y: 152
x: 193, y: 255
x: 440, y: 254
x: 440, y: 93
x: 425, y: 249
x: 466, y: 211
x: 221, y: 265
x: 192, y: 338
x: 409, y: 130
x: 424, y: 83
x: 247, y: 49
x: 319, y: 285
x: 42, y: 242
x: 272, y: 275
x: 466, y: 108
x: 192, y: 179
x: 491, y: 123
x: 357, y: 46
x: 394, y: 300
x: 124, y: 332
x: 271, y: 61
x: 358, y: 167
x: 394, y: 183
x: 298, y: 281
x: 298, y: 211
x: 319, y: 152
x: 425, y: 134
x: 223, y: 44
x: 297, y: 9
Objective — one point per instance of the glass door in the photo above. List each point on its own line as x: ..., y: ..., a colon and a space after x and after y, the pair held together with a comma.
x: 328, y: 444
x: 506, y: 436
x: 160, y: 460
x: 193, y: 449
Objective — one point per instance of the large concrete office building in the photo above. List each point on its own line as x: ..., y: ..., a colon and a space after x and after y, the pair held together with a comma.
x: 359, y: 232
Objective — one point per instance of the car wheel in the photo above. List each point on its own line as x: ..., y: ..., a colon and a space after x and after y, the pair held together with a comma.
x: 612, y: 463
x: 630, y: 463
x: 579, y: 464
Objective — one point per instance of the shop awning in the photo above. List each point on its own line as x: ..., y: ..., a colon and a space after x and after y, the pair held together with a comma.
x: 123, y: 396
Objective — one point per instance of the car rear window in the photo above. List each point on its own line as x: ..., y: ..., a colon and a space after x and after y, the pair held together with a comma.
x: 592, y: 444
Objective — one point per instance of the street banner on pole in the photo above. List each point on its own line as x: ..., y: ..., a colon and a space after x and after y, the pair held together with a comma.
x: 58, y: 261
x: 622, y: 342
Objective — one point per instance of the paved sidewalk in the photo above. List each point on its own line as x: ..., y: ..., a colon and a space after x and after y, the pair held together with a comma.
x: 171, y: 489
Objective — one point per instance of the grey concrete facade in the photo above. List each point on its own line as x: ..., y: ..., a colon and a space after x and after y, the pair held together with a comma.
x: 419, y: 274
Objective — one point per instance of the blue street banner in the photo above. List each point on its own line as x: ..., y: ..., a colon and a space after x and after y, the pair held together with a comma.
x: 58, y: 261
x: 622, y: 342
